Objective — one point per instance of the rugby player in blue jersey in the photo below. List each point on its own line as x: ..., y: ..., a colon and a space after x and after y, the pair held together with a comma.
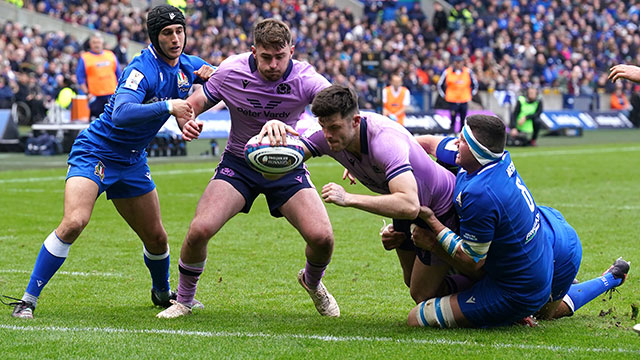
x: 528, y: 253
x: 259, y: 87
x: 110, y: 156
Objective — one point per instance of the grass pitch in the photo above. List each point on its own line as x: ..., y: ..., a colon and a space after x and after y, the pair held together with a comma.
x: 98, y: 305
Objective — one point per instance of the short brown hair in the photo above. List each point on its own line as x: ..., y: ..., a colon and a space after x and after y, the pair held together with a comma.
x: 271, y: 33
x: 335, y: 99
x: 489, y: 131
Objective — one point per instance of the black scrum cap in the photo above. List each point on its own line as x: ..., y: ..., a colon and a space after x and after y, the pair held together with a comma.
x: 160, y: 17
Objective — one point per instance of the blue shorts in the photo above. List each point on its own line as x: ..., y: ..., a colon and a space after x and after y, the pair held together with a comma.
x: 486, y: 304
x: 448, y: 219
x: 119, y: 180
x: 567, y: 252
x: 250, y: 183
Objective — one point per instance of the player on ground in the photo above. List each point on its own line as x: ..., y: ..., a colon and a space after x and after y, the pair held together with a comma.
x: 388, y: 160
x: 257, y: 87
x: 566, y: 297
x: 110, y: 156
x: 502, y: 231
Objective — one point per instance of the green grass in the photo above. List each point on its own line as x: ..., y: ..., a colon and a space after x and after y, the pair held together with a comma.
x: 254, y: 306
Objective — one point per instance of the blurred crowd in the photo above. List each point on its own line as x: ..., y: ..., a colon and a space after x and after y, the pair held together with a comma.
x: 567, y: 45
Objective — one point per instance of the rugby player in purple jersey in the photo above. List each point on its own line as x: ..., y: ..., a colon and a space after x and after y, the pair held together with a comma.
x: 265, y: 91
x: 387, y: 159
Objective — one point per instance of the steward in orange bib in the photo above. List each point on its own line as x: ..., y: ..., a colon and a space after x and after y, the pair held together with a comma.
x: 395, y: 99
x: 457, y: 85
x: 98, y: 72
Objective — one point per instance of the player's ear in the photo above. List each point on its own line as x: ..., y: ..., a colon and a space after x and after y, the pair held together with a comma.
x: 253, y: 50
x: 356, y: 119
x: 292, y: 47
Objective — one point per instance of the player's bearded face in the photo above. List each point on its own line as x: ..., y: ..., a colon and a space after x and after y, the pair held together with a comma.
x: 272, y: 63
x: 171, y: 40
x: 339, y: 132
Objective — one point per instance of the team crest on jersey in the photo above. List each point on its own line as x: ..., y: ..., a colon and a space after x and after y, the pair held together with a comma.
x: 283, y: 89
x: 459, y: 199
x: 100, y: 170
x: 183, y: 82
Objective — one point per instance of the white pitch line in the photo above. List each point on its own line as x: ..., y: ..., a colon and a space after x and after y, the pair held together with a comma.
x: 593, y: 206
x: 333, y: 163
x: 577, y: 151
x: 325, y: 338
x: 72, y: 273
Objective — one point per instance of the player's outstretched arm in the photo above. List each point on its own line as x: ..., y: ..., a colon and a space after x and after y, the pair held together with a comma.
x: 429, y: 143
x: 622, y: 71
x: 401, y: 203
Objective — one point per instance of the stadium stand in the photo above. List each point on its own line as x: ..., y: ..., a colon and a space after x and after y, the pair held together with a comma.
x: 562, y: 46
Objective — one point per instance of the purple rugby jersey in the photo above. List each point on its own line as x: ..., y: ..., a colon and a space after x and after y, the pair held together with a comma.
x: 252, y: 101
x: 388, y: 150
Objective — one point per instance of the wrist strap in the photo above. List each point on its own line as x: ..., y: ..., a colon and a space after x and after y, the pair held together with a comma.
x: 170, y: 107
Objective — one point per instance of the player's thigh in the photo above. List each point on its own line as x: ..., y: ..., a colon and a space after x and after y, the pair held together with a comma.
x: 427, y: 280
x: 142, y: 213
x: 219, y: 203
x: 440, y: 312
x: 80, y: 195
x: 305, y: 211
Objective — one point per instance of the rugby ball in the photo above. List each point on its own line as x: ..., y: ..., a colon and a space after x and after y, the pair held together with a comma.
x: 273, y: 160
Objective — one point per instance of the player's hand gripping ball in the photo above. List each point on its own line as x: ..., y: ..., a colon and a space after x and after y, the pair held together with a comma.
x: 273, y: 160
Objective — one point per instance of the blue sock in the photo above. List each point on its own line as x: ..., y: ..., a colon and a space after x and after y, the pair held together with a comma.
x: 52, y: 254
x: 582, y: 293
x: 158, y: 266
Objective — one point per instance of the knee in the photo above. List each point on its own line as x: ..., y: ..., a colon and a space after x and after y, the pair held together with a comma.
x: 322, y: 241
x: 199, y: 232
x: 420, y: 295
x: 71, y: 227
x: 157, y: 242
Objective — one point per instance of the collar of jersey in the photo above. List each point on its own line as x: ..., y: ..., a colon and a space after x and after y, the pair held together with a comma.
x: 253, y: 66
x: 364, y: 144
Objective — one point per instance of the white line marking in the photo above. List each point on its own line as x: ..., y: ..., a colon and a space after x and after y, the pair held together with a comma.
x: 326, y: 338
x: 333, y: 163
x: 577, y: 151
x: 72, y: 273
x: 594, y: 206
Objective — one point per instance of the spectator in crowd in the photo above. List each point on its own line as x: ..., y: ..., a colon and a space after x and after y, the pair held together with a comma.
x: 395, y: 99
x: 97, y: 73
x: 525, y: 120
x: 457, y: 85
x: 619, y: 99
x: 6, y: 94
x: 120, y: 51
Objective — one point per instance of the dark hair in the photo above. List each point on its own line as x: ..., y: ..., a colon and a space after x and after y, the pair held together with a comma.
x: 489, y: 131
x: 335, y: 99
x: 271, y: 33
x: 160, y: 17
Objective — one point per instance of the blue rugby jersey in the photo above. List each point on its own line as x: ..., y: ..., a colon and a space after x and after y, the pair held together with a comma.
x: 497, y: 210
x: 146, y: 83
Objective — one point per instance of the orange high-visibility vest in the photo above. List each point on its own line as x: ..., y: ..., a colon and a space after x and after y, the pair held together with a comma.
x: 396, y: 102
x: 101, y: 72
x: 458, y: 86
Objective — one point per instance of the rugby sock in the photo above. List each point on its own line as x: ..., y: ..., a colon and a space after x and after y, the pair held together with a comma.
x: 188, y: 283
x: 457, y: 283
x: 52, y: 254
x: 313, y: 274
x: 582, y: 293
x: 158, y: 266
